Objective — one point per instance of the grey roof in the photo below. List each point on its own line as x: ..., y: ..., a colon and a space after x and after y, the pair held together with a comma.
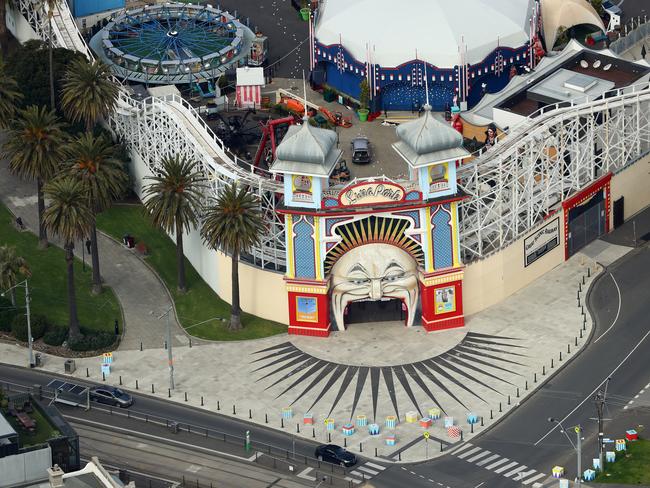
x: 6, y: 430
x: 427, y: 140
x: 307, y: 150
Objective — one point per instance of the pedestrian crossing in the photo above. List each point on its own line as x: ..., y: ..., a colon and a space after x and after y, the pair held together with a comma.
x: 499, y: 465
x: 364, y: 472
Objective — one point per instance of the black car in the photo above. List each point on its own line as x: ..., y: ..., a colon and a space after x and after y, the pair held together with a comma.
x: 336, y: 455
x: 361, y: 150
x: 111, y: 396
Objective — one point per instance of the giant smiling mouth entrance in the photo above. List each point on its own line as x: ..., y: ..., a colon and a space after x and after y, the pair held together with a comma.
x: 374, y: 272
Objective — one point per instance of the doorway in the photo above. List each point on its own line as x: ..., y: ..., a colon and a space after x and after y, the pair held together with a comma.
x: 375, y: 311
x: 587, y: 222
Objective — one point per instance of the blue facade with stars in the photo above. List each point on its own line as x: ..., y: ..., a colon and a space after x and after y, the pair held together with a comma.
x: 402, y: 87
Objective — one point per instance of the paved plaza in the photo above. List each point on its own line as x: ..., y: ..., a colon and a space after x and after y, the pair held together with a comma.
x: 379, y: 369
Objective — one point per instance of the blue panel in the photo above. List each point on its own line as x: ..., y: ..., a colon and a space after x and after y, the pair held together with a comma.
x: 346, y: 82
x: 303, y: 249
x: 442, y: 241
x: 403, y: 96
x: 81, y: 8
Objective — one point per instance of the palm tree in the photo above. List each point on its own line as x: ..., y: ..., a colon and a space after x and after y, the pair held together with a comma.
x: 93, y: 161
x: 69, y: 217
x: 234, y: 224
x: 173, y: 201
x: 88, y: 92
x: 11, y: 265
x: 9, y: 96
x: 34, y: 148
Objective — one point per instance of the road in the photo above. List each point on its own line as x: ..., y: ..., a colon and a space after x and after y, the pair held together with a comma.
x: 618, y: 350
x: 523, y: 443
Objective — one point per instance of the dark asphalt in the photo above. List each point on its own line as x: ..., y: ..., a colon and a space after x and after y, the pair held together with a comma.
x: 619, y: 352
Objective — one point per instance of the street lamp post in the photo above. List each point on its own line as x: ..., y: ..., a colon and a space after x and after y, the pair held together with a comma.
x: 170, y: 358
x: 29, y: 319
x: 577, y: 446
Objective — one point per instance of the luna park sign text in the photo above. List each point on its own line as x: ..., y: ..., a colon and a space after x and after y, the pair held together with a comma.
x: 371, y: 193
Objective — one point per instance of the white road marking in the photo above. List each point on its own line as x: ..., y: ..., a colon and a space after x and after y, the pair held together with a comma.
x: 368, y: 470
x: 590, y: 395
x: 494, y: 465
x: 618, y: 312
x: 507, y: 466
x: 534, y: 478
x: 514, y: 471
x: 193, y: 468
x: 538, y: 485
x: 357, y: 473
x: 478, y: 456
x: 376, y: 466
x: 305, y: 474
x: 487, y: 459
x: 459, y: 448
x: 526, y: 474
x: 480, y: 484
x: 467, y: 453
x: 355, y: 481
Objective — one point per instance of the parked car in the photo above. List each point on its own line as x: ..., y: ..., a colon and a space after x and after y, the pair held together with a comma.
x: 111, y: 396
x: 361, y: 150
x: 332, y: 453
x: 610, y: 8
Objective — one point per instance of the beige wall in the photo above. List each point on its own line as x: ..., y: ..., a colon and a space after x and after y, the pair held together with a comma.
x: 262, y: 293
x: 498, y: 276
x: 633, y: 183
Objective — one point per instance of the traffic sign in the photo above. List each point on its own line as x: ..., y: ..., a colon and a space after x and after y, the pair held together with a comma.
x: 426, y: 435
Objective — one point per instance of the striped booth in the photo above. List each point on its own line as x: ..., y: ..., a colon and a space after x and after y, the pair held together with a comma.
x: 329, y: 424
x: 373, y: 429
x: 434, y: 413
x: 449, y: 421
x: 426, y: 422
x: 411, y: 417
x: 621, y: 445
x: 287, y: 412
x: 391, y: 440
x: 308, y: 419
x: 558, y: 471
x: 362, y: 420
x: 472, y: 418
x: 595, y: 462
x: 610, y: 456
x: 453, y: 432
x: 348, y: 429
x: 589, y: 475
x: 564, y: 483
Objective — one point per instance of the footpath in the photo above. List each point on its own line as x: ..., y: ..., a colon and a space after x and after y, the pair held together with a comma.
x: 141, y: 294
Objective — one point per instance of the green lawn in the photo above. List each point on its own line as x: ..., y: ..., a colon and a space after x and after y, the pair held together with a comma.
x: 48, y: 283
x: 43, y: 432
x: 200, y: 305
x: 631, y: 467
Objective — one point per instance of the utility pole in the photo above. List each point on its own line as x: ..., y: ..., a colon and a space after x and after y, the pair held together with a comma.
x: 29, y: 327
x: 170, y: 357
x: 599, y: 400
x: 578, y: 430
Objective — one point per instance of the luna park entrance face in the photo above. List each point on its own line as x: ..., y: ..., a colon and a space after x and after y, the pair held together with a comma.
x: 374, y: 281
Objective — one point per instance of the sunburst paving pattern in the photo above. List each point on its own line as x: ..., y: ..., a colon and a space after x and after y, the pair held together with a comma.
x: 464, y: 368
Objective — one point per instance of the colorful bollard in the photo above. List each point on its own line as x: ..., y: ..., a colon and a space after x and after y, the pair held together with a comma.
x: 631, y: 435
x: 564, y: 483
x: 411, y: 417
x: 434, y: 413
x: 373, y: 429
x: 391, y: 422
x: 589, y: 475
x: 348, y: 429
x: 610, y: 456
x: 454, y: 432
x: 308, y: 419
x: 287, y: 412
x: 557, y: 471
x: 426, y: 422
x: 329, y: 424
x: 621, y: 445
x: 362, y: 420
x: 449, y: 422
x: 472, y: 418
x: 595, y: 462
x: 391, y: 440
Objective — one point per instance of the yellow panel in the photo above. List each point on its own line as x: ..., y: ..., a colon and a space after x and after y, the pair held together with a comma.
x: 429, y: 266
x: 288, y: 225
x: 319, y: 265
x: 454, y: 233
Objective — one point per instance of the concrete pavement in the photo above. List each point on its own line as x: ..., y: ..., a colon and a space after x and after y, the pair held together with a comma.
x: 141, y: 294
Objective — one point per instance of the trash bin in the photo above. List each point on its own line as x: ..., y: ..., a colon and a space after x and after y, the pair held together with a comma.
x: 173, y: 426
x: 70, y: 366
x: 38, y: 359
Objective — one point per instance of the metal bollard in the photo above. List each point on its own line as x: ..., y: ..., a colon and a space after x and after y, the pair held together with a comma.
x: 482, y: 424
x: 103, y: 376
x: 543, y: 370
x: 120, y: 380
x: 152, y: 389
x: 560, y: 356
x: 526, y: 385
x: 136, y: 384
x: 552, y: 363
x: 345, y: 442
x: 282, y: 422
x: 360, y: 446
x: 375, y: 452
x: 87, y: 373
x: 508, y: 399
x: 169, y: 392
x: 580, y: 333
x: 471, y: 428
x: 234, y: 410
x: 266, y: 418
x: 576, y: 342
x: 517, y: 392
x: 399, y: 454
x: 201, y: 400
x: 568, y: 348
x: 313, y: 432
x: 297, y: 428
x: 185, y: 396
x: 491, y: 415
x: 250, y: 413
x: 500, y: 408
x: 218, y: 406
x: 535, y: 377
x: 329, y: 437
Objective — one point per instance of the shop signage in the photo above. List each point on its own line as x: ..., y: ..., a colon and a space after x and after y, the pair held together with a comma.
x: 541, y: 241
x: 372, y: 193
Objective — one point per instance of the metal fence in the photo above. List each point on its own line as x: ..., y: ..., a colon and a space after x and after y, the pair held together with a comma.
x: 632, y: 33
x: 267, y: 455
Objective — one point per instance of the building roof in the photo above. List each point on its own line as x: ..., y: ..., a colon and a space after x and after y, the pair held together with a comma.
x: 6, y: 430
x: 566, y: 14
x: 433, y: 29
x: 427, y: 140
x: 565, y: 85
x: 248, y: 76
x: 307, y: 150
